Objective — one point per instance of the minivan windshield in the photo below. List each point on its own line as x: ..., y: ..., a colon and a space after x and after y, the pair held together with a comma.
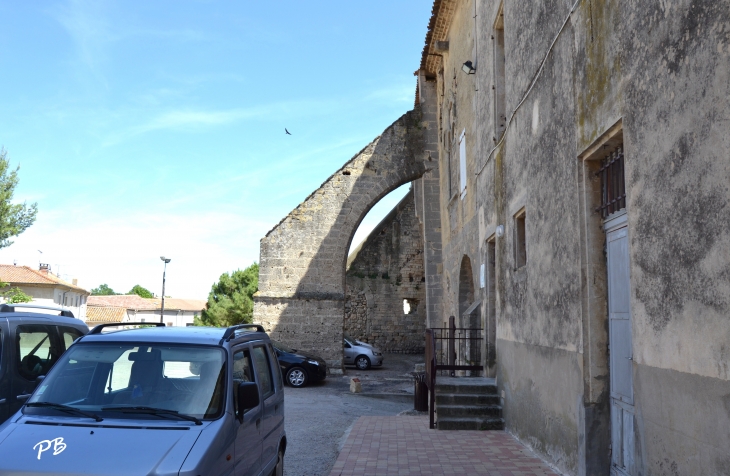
x: 134, y: 380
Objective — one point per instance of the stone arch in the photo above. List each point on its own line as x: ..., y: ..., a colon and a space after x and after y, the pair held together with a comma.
x: 303, y: 258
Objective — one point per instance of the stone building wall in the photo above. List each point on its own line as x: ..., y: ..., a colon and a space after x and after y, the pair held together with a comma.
x: 385, y: 270
x: 578, y: 80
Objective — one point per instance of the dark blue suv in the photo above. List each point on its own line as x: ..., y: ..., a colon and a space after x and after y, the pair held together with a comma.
x: 30, y: 343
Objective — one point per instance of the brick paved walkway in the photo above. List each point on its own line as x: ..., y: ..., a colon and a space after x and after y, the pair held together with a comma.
x: 403, y: 445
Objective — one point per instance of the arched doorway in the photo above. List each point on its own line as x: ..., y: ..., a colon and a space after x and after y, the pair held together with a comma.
x: 469, y: 314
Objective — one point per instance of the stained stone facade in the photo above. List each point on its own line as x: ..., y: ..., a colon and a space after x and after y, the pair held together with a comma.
x: 386, y: 288
x: 607, y: 333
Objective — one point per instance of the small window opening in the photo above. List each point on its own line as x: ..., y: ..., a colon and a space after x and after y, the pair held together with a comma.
x: 500, y: 113
x: 346, y: 172
x: 410, y: 306
x: 520, y: 239
x: 462, y: 164
x: 613, y: 185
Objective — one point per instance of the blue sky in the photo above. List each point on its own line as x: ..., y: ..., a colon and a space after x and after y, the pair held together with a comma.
x: 157, y: 128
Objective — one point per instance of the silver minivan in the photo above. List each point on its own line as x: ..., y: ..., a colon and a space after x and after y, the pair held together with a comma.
x: 155, y: 401
x: 361, y: 354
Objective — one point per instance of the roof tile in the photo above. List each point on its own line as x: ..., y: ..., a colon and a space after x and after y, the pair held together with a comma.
x: 19, y: 275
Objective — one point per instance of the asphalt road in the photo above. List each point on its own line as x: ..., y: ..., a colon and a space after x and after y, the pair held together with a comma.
x: 319, y: 417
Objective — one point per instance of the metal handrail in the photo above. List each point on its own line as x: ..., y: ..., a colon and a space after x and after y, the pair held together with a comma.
x: 469, y: 344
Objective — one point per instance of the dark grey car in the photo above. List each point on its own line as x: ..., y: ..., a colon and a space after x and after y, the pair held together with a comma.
x: 155, y: 401
x: 30, y: 343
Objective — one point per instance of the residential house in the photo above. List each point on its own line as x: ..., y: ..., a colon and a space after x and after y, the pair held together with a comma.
x: 133, y: 308
x: 45, y: 288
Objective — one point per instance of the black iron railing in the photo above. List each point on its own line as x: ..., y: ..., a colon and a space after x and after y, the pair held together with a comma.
x: 451, y: 350
x: 613, y: 184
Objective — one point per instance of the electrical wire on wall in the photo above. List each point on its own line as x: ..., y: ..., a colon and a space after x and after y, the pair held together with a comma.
x: 529, y: 89
x: 476, y: 45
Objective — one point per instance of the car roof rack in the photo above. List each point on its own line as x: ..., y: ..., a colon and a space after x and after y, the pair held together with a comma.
x: 98, y: 329
x: 229, y: 333
x: 12, y: 308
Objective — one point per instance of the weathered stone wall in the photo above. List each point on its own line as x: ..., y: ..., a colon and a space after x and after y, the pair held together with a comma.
x: 302, y: 261
x: 654, y: 77
x: 385, y: 270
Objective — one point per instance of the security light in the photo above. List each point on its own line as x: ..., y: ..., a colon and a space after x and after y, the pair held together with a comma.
x: 468, y: 68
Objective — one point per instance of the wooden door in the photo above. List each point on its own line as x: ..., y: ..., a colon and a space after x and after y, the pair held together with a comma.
x: 620, y: 347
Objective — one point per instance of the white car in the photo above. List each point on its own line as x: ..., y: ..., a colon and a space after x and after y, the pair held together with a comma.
x: 360, y: 354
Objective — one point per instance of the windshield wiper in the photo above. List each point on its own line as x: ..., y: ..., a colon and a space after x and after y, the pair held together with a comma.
x: 64, y: 408
x: 153, y: 411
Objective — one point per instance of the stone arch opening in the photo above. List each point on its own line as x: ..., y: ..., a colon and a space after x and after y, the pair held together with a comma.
x: 387, y: 267
x: 466, y: 289
x: 469, y: 314
x: 303, y: 258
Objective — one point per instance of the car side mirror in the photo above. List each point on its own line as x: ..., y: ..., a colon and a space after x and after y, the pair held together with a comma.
x: 347, y: 346
x: 247, y: 397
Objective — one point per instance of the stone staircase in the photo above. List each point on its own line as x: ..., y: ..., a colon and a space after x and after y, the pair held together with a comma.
x: 467, y: 403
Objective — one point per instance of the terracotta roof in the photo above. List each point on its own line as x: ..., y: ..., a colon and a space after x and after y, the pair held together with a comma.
x: 19, y: 275
x: 184, y: 304
x: 438, y: 30
x: 133, y: 301
x: 105, y: 314
x: 126, y: 301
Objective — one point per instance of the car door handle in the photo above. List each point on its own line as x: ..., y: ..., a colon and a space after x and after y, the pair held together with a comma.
x: 2, y: 401
x: 23, y: 397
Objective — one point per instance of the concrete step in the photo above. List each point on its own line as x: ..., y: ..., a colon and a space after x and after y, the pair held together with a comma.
x: 481, y: 424
x: 457, y: 411
x: 465, y: 399
x: 466, y: 385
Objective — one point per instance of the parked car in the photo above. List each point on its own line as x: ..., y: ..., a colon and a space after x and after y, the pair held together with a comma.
x: 361, y: 354
x: 156, y: 400
x: 30, y: 343
x: 299, y: 368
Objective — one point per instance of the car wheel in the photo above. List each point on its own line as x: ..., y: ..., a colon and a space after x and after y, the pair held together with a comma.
x: 362, y: 362
x: 279, y: 468
x: 297, y: 377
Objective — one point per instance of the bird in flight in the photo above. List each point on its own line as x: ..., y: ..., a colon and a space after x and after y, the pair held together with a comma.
x: 287, y: 131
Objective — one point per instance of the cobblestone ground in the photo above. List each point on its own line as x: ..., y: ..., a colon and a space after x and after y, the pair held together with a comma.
x: 319, y: 416
x: 403, y: 445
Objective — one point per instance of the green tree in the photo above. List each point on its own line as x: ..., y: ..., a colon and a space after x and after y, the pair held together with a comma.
x: 231, y: 299
x: 14, y: 295
x: 15, y: 218
x: 140, y: 291
x: 103, y: 290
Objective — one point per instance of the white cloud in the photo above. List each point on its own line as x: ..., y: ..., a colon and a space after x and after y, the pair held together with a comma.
x: 124, y: 251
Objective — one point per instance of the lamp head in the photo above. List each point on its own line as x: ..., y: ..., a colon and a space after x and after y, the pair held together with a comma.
x: 468, y: 68
x: 166, y: 260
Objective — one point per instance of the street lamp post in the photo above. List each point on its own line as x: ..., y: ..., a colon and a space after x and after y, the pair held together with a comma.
x: 162, y: 309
